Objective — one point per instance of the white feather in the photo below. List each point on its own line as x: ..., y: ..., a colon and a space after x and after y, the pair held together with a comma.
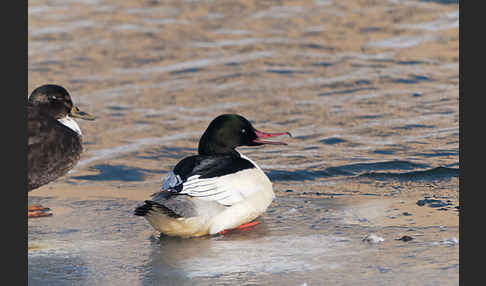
x: 71, y: 124
x: 228, y: 189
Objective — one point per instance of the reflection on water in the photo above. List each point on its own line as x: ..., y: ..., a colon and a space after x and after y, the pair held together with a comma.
x: 370, y: 93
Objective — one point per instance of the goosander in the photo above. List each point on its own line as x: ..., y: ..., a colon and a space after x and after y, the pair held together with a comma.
x: 217, y: 190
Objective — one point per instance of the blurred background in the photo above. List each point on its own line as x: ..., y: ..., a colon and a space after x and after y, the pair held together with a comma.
x: 368, y: 89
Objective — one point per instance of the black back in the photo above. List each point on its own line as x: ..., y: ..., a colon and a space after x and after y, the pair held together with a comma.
x: 210, y: 166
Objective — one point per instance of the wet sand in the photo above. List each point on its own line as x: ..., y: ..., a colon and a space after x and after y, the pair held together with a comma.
x: 368, y: 90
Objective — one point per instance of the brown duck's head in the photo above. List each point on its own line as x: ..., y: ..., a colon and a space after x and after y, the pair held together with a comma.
x: 55, y: 101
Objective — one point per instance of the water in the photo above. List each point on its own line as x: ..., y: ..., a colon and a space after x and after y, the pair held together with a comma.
x: 368, y: 90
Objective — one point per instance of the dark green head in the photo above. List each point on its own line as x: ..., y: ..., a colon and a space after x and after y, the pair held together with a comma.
x: 228, y: 131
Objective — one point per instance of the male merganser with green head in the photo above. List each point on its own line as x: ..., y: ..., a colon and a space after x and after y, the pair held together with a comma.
x: 217, y: 190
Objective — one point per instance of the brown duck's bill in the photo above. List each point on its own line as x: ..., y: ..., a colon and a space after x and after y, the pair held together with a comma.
x: 261, y: 135
x: 75, y: 112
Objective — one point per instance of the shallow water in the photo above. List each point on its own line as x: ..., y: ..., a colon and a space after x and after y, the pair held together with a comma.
x: 368, y: 90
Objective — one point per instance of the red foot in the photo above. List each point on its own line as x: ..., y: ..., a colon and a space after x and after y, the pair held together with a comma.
x: 243, y: 227
x: 33, y: 208
x: 38, y: 211
x: 247, y: 225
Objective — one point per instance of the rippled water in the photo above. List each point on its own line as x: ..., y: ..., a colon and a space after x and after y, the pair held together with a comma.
x: 369, y: 91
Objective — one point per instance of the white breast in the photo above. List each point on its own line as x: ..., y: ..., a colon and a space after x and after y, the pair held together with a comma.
x: 71, y: 124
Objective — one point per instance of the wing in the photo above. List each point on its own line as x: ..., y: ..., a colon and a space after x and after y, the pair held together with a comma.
x: 37, y: 126
x: 52, y: 150
x: 225, y: 179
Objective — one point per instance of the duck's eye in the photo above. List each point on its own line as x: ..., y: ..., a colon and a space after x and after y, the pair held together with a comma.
x: 243, y: 131
x: 52, y: 97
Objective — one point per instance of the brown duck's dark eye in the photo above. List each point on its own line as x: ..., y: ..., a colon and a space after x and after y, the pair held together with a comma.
x: 243, y: 131
x: 52, y: 97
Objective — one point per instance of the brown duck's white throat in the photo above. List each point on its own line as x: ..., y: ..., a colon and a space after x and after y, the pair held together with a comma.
x: 71, y: 124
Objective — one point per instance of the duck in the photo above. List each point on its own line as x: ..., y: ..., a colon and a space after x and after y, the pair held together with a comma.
x: 217, y: 190
x: 54, y: 138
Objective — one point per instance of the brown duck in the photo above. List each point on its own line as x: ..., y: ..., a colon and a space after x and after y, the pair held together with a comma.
x: 54, y: 138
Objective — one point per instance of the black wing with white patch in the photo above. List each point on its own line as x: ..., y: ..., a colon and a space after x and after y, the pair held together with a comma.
x: 209, y: 178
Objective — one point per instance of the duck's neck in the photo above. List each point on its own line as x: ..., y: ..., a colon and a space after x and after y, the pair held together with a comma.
x: 213, y: 147
x: 251, y: 161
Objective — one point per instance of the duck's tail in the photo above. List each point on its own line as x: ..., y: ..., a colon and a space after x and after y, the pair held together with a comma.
x: 169, y: 217
x: 153, y: 207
